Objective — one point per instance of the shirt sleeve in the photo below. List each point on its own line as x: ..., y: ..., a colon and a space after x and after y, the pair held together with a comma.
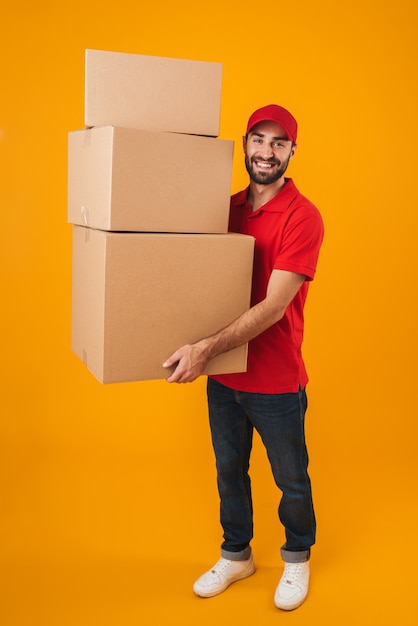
x: 301, y: 241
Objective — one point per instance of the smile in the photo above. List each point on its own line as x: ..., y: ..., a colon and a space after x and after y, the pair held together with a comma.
x: 264, y: 165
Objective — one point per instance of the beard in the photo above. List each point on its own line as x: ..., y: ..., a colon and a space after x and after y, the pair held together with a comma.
x: 266, y: 178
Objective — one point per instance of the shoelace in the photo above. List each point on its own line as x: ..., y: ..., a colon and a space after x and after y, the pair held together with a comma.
x: 220, y: 566
x: 291, y: 573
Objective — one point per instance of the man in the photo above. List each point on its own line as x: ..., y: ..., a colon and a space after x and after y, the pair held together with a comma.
x: 270, y: 396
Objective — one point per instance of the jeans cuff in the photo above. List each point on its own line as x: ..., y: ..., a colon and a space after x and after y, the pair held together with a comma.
x: 244, y: 555
x: 289, y: 556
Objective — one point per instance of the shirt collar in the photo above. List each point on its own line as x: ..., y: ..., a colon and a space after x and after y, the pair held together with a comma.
x: 278, y: 204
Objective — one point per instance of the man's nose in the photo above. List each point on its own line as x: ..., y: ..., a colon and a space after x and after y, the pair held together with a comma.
x: 267, y: 151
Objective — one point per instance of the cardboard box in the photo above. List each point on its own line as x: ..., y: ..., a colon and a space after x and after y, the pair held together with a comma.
x: 138, y: 297
x: 136, y: 180
x: 154, y: 93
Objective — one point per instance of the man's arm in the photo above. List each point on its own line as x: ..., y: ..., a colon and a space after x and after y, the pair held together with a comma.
x: 192, y: 359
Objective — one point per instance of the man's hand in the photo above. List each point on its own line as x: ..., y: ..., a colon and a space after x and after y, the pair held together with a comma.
x: 191, y: 361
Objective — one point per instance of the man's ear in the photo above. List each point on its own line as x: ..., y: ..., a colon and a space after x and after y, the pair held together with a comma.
x: 244, y: 143
x: 293, y: 150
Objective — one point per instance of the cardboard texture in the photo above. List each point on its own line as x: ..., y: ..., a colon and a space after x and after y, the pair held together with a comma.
x: 138, y: 297
x: 136, y: 180
x: 152, y: 93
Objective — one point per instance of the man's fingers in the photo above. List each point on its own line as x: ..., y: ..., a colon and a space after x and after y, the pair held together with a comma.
x: 170, y: 361
x: 175, y: 357
x: 174, y: 377
x: 181, y: 375
x: 188, y: 364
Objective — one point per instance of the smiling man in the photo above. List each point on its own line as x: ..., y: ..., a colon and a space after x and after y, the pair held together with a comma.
x: 266, y: 155
x: 271, y: 395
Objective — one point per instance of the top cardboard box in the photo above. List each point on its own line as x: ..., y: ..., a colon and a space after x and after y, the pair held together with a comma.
x: 152, y: 93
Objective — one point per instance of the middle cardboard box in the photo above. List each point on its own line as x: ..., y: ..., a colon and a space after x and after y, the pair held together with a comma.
x: 125, y: 179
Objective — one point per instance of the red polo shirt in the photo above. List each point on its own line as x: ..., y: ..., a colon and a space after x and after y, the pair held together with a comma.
x: 288, y: 232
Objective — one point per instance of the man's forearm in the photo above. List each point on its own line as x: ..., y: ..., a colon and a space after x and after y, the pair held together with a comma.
x: 250, y: 324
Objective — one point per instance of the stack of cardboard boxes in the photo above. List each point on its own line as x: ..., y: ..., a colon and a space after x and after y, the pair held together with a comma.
x: 148, y: 196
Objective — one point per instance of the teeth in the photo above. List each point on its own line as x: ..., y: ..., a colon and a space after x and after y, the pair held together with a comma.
x: 264, y: 165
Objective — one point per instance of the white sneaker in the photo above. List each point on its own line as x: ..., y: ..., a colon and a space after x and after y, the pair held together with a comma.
x: 222, y: 575
x: 293, y: 586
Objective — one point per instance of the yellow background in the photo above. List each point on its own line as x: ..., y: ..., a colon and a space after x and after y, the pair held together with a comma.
x: 108, y: 504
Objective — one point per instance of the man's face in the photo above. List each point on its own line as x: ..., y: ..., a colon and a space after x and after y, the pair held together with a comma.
x: 267, y: 153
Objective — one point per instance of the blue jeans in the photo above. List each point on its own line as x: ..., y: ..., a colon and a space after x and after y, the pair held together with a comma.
x: 279, y: 419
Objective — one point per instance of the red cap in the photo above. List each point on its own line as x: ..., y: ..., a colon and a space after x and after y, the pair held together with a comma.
x: 277, y: 114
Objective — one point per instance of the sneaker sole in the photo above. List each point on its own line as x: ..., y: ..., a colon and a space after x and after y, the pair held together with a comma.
x: 291, y: 607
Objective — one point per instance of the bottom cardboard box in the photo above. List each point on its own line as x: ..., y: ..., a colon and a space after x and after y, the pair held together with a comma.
x: 137, y: 297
